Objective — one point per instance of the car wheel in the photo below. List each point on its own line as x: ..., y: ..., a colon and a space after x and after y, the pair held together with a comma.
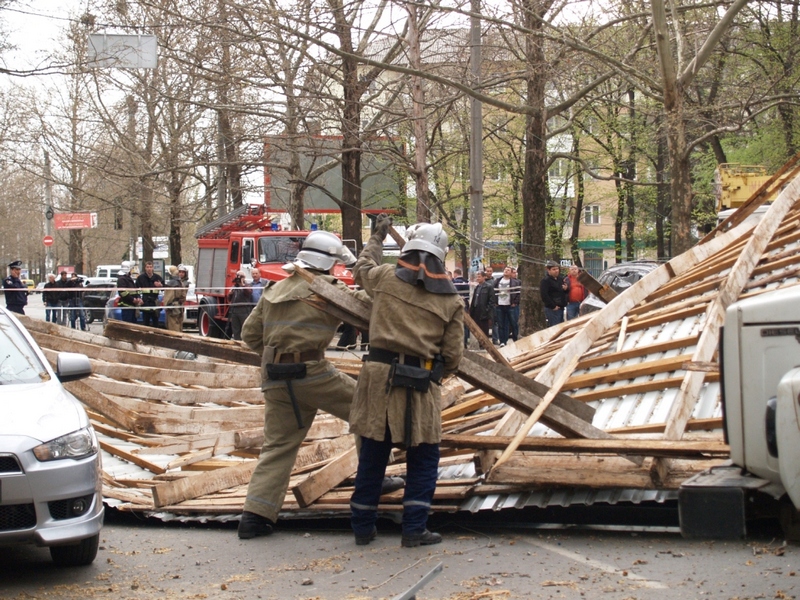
x: 89, y: 317
x: 76, y: 555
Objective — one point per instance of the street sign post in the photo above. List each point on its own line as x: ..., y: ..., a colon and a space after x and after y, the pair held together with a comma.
x: 48, y: 240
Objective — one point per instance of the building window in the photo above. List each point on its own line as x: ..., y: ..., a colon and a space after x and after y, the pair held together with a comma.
x: 499, y: 220
x: 591, y: 214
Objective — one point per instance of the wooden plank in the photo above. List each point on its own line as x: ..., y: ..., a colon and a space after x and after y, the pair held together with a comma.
x: 173, y: 492
x: 708, y: 424
x: 665, y: 448
x: 323, y: 450
x: 139, y: 334
x: 176, y: 395
x: 473, y: 369
x: 589, y: 472
x: 651, y: 367
x: 639, y: 351
x: 484, y: 341
x: 128, y: 357
x: 244, y: 379
x: 604, y: 292
x: 101, y: 403
x: 133, y: 458
x: 326, y: 478
x: 563, y: 401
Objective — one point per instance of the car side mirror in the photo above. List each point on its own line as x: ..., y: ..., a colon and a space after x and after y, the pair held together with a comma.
x: 71, y: 366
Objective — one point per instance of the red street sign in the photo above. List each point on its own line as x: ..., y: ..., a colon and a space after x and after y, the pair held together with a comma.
x: 76, y: 220
x: 48, y: 240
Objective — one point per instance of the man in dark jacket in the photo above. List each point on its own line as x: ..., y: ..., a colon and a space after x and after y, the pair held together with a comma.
x: 483, y: 303
x: 62, y: 297
x: 76, y: 314
x: 150, y: 282
x: 50, y: 299
x: 554, y: 290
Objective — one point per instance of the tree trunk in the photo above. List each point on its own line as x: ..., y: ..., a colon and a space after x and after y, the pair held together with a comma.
x: 534, y: 185
x: 418, y: 117
x: 662, y: 197
x: 680, y: 179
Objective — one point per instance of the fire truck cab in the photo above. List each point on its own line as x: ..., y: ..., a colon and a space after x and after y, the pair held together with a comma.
x: 243, y: 240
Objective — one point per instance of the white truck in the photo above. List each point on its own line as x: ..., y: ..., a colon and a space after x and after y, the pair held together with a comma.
x: 760, y: 376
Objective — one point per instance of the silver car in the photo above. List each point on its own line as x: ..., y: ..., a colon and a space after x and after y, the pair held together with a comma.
x: 49, y: 457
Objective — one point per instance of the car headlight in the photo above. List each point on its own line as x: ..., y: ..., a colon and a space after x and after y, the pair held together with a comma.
x: 78, y: 444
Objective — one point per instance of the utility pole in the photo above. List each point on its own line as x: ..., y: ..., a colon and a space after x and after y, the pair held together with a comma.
x: 476, y: 143
x: 49, y: 263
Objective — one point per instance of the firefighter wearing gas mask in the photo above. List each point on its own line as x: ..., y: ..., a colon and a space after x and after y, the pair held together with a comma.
x: 416, y: 337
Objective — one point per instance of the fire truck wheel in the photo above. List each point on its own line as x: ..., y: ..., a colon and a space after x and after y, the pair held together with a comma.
x: 206, y: 324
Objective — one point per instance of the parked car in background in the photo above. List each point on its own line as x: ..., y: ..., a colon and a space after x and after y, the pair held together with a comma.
x: 95, y: 299
x: 50, y: 484
x: 619, y: 278
x: 30, y: 283
x: 39, y: 287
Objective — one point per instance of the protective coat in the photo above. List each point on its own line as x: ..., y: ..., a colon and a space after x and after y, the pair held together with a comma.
x: 408, y: 319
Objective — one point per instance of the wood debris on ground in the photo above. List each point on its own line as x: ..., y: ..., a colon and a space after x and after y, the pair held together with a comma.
x: 623, y: 398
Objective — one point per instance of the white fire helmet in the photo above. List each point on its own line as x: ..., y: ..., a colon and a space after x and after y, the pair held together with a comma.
x: 127, y: 266
x: 321, y: 250
x: 428, y: 237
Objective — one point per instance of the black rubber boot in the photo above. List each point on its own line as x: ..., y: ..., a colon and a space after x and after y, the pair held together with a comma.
x: 426, y: 538
x: 363, y: 540
x: 392, y: 484
x: 252, y: 525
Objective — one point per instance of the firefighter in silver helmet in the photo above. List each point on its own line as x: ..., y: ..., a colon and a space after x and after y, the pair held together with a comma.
x: 296, y: 379
x: 416, y: 337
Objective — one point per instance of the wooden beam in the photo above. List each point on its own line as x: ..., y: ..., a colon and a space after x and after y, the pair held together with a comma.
x: 609, y: 472
x: 140, y: 334
x: 604, y: 292
x: 176, y: 394
x: 326, y: 478
x: 664, y: 448
x: 173, y: 492
x: 101, y: 403
x: 473, y: 369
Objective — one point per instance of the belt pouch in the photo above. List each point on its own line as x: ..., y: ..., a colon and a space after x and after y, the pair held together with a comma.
x: 285, y: 371
x: 406, y: 376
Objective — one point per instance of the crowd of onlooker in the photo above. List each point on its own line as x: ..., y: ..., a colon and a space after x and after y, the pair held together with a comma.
x: 63, y: 300
x: 493, y: 301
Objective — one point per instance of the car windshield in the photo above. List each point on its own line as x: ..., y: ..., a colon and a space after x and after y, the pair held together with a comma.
x: 18, y: 361
x: 278, y: 249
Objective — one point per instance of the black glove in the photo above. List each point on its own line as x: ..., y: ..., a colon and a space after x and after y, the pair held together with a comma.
x: 383, y: 223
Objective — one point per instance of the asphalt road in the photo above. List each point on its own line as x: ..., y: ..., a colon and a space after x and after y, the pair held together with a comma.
x: 320, y: 561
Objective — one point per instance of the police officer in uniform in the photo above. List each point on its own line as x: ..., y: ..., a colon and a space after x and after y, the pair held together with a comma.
x: 416, y: 336
x: 15, y: 291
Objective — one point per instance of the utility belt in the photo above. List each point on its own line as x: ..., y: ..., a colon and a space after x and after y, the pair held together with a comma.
x: 288, y: 366
x: 413, y: 374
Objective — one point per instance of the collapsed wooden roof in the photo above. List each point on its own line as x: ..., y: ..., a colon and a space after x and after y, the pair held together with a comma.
x: 626, y: 398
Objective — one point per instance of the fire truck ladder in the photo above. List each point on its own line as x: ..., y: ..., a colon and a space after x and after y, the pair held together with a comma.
x: 248, y: 217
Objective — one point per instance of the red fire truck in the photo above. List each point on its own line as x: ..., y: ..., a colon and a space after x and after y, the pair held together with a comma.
x: 245, y: 239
